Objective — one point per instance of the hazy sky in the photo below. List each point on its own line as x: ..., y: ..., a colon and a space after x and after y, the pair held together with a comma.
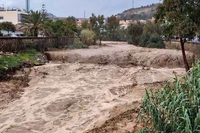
x: 64, y: 8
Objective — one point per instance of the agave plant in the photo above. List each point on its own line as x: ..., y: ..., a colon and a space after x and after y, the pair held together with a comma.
x: 33, y: 24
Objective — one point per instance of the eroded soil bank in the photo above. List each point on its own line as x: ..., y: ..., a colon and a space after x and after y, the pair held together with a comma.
x: 78, y: 98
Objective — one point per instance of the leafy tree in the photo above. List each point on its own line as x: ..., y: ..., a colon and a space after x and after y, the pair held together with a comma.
x: 33, y: 24
x: 70, y: 26
x: 7, y: 26
x: 151, y: 36
x: 180, y: 18
x: 121, y: 34
x: 97, y: 24
x: 111, y: 26
x: 153, y: 28
x: 62, y: 27
x: 71, y: 19
x: 135, y: 31
x: 85, y: 25
x: 93, y: 22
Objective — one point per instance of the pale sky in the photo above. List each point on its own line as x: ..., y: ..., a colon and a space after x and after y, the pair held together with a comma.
x: 65, y: 8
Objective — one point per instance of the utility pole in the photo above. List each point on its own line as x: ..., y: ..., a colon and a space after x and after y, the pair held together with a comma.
x: 133, y: 3
x: 84, y: 15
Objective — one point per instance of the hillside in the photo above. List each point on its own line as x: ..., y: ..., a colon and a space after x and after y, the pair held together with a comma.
x: 140, y: 13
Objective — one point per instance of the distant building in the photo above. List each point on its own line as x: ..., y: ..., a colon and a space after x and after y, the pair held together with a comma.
x: 124, y: 23
x: 79, y: 21
x: 11, y: 15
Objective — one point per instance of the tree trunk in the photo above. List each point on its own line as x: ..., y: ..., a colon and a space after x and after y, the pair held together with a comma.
x: 184, y: 56
x: 100, y: 41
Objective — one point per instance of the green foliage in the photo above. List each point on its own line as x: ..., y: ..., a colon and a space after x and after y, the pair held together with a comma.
x: 7, y: 26
x: 87, y: 37
x: 156, y: 42
x: 175, y: 108
x: 85, y: 25
x: 153, y: 28
x: 145, y: 35
x: 63, y: 27
x: 151, y: 41
x: 179, y: 18
x: 71, y: 19
x: 135, y: 31
x: 121, y: 34
x: 97, y: 24
x: 12, y: 62
x: 112, y: 26
x: 77, y: 44
x: 33, y: 24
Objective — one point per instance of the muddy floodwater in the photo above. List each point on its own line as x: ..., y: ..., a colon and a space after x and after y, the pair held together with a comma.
x: 78, y: 97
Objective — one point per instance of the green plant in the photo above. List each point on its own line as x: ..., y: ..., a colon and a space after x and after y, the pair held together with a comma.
x: 135, y: 31
x: 10, y: 63
x: 151, y: 41
x: 175, y: 108
x: 179, y: 19
x: 33, y: 24
x: 77, y: 44
x: 87, y: 37
x: 7, y: 26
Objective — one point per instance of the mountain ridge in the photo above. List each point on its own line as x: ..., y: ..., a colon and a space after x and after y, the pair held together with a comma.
x: 140, y: 13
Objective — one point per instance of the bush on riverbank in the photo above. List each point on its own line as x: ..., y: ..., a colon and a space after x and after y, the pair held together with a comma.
x: 174, y: 108
x: 145, y: 35
x: 12, y: 62
x: 88, y: 37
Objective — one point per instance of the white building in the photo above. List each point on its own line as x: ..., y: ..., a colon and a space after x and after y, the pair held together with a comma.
x: 12, y: 15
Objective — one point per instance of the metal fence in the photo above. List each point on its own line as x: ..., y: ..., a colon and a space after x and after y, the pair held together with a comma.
x: 15, y: 44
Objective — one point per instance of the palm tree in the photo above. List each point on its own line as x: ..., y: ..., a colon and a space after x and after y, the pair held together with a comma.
x: 33, y: 24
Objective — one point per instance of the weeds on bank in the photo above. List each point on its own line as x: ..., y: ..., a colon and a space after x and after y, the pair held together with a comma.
x: 175, y: 108
x: 12, y: 62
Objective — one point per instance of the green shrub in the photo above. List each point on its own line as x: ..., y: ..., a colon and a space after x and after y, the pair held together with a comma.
x: 175, y: 108
x: 151, y: 41
x: 12, y: 62
x: 77, y: 46
x: 156, y: 42
x: 145, y: 39
x: 134, y: 32
x: 87, y: 36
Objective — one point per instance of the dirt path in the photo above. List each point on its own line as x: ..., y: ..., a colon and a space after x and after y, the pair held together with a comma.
x: 75, y: 98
